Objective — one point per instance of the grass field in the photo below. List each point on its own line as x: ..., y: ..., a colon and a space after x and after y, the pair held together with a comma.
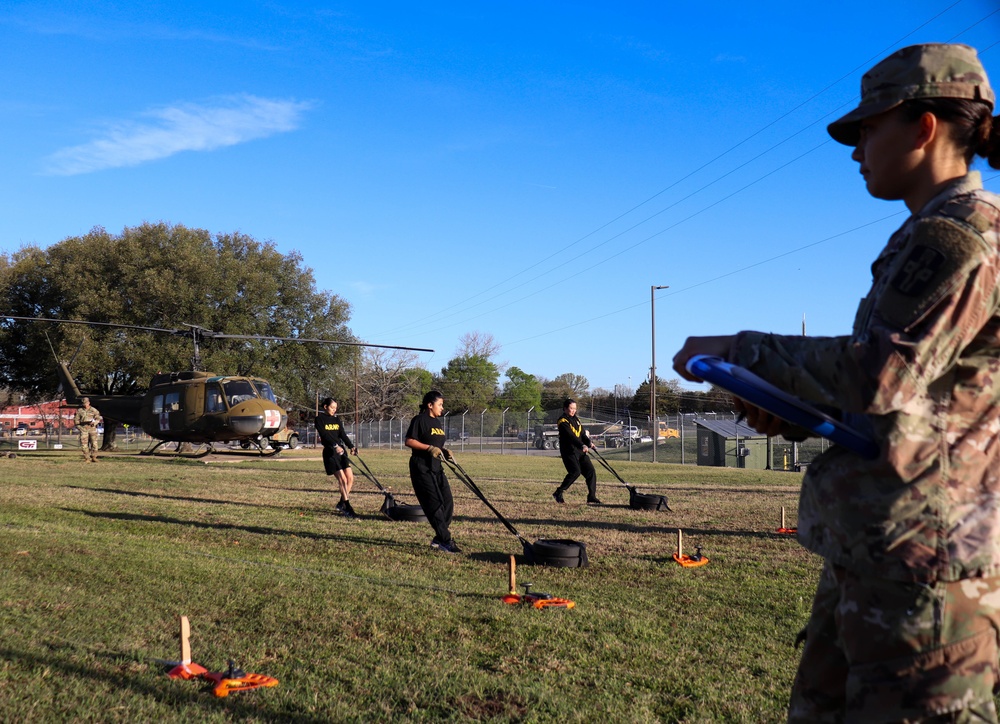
x: 361, y: 621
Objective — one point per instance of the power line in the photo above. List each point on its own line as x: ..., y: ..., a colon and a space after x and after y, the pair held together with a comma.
x: 432, y: 320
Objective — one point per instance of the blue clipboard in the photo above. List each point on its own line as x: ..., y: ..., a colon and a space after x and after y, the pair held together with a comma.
x: 746, y: 385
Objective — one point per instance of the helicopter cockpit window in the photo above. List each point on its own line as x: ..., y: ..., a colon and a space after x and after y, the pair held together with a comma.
x: 238, y: 391
x: 265, y: 390
x: 172, y: 402
x: 157, y: 404
x: 214, y: 401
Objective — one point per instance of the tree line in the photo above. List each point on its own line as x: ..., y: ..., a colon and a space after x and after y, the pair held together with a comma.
x: 167, y: 276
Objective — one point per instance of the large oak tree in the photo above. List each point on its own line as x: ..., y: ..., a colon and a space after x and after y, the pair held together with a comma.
x: 166, y: 276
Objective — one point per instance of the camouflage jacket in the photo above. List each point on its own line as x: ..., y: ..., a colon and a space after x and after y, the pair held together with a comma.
x: 87, y: 416
x: 921, y: 372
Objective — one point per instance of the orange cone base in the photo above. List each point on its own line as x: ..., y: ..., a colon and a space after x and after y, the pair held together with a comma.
x: 250, y: 681
x: 688, y: 562
x: 187, y: 671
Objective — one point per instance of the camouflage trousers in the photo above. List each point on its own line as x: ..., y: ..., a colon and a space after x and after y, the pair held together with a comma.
x: 883, y: 651
x: 88, y: 442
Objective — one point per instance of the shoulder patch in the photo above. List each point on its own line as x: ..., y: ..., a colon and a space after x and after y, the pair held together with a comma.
x: 975, y: 211
x: 937, y: 258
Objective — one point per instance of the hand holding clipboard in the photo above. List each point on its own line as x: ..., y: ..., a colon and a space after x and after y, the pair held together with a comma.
x: 746, y: 385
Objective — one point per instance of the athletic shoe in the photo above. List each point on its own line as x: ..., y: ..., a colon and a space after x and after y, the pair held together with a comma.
x: 435, y: 543
x: 449, y: 547
x: 558, y: 495
x: 349, y: 510
x: 594, y: 501
x: 340, y: 506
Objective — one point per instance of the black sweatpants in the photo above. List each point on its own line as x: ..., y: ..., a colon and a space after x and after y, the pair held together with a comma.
x: 578, y: 463
x: 434, y: 494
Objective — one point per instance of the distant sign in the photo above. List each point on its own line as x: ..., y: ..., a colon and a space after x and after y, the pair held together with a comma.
x: 27, y: 444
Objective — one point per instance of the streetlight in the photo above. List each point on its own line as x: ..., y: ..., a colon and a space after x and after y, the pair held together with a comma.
x: 652, y: 372
x: 527, y: 426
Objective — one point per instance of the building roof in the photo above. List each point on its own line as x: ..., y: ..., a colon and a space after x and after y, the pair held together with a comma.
x: 730, y: 429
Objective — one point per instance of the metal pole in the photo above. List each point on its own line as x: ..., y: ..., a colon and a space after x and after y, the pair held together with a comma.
x: 482, y: 429
x: 503, y: 427
x: 463, y: 429
x: 652, y: 372
x: 527, y: 426
x: 681, y: 418
x: 630, y: 430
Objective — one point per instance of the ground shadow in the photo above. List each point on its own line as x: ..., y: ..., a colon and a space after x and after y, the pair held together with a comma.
x: 657, y: 528
x: 166, y: 691
x: 257, y: 530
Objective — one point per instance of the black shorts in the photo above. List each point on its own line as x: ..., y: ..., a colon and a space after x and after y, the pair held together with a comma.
x: 334, y: 461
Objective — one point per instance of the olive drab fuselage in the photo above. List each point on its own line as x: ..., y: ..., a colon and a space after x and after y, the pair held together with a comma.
x: 195, y: 407
x: 203, y: 407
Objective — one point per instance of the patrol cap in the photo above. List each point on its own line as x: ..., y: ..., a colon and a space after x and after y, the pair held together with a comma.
x: 931, y: 70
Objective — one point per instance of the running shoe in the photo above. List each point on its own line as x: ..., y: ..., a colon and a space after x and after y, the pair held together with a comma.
x: 449, y: 547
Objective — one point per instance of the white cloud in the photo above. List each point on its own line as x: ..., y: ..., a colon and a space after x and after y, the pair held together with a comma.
x: 186, y: 127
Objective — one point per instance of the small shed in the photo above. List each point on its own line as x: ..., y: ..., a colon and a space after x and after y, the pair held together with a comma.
x: 729, y: 444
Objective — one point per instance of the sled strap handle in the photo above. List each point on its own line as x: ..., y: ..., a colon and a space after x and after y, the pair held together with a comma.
x: 464, y: 477
x: 607, y: 466
x: 364, y: 470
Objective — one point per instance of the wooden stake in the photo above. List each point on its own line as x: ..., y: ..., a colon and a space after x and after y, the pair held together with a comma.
x: 512, y: 576
x: 185, y: 641
x: 782, y: 517
x: 680, y: 552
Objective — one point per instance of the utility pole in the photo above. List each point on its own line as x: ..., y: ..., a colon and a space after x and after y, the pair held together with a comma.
x: 652, y: 371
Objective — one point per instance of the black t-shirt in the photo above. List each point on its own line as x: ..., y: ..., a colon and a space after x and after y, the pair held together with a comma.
x: 331, y: 431
x: 572, y: 436
x: 428, y: 430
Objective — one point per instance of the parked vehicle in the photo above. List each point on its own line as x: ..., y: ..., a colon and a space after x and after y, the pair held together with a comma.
x: 668, y: 432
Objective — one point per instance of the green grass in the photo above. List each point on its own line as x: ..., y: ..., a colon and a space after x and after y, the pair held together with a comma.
x: 361, y: 621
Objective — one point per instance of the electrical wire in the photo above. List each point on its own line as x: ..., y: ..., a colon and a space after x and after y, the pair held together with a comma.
x: 432, y: 321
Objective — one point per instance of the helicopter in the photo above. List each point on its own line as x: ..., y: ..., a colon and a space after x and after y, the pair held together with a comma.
x: 193, y: 406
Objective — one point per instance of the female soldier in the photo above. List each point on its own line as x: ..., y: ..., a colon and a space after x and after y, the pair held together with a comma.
x: 336, y: 443
x: 574, y: 442
x: 426, y: 438
x: 905, y: 619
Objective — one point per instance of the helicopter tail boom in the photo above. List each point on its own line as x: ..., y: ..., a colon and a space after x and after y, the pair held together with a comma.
x: 68, y: 384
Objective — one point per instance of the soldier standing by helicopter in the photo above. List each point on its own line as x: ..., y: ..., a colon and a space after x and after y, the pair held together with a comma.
x: 336, y: 443
x: 86, y: 420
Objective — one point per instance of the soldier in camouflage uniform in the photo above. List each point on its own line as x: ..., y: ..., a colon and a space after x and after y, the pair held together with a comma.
x: 905, y: 622
x: 87, y: 419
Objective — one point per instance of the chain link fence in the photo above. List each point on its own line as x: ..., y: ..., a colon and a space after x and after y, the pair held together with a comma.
x: 513, y: 433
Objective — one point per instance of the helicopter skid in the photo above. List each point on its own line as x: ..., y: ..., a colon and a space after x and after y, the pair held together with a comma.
x: 197, y: 450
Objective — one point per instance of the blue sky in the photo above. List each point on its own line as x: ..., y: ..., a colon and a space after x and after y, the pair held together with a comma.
x: 526, y: 170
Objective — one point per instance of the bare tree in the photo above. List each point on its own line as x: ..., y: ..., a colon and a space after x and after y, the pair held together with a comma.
x: 384, y: 384
x: 478, y: 344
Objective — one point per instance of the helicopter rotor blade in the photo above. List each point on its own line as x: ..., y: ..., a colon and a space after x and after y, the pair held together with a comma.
x: 202, y: 333
x: 216, y: 335
x: 94, y: 324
